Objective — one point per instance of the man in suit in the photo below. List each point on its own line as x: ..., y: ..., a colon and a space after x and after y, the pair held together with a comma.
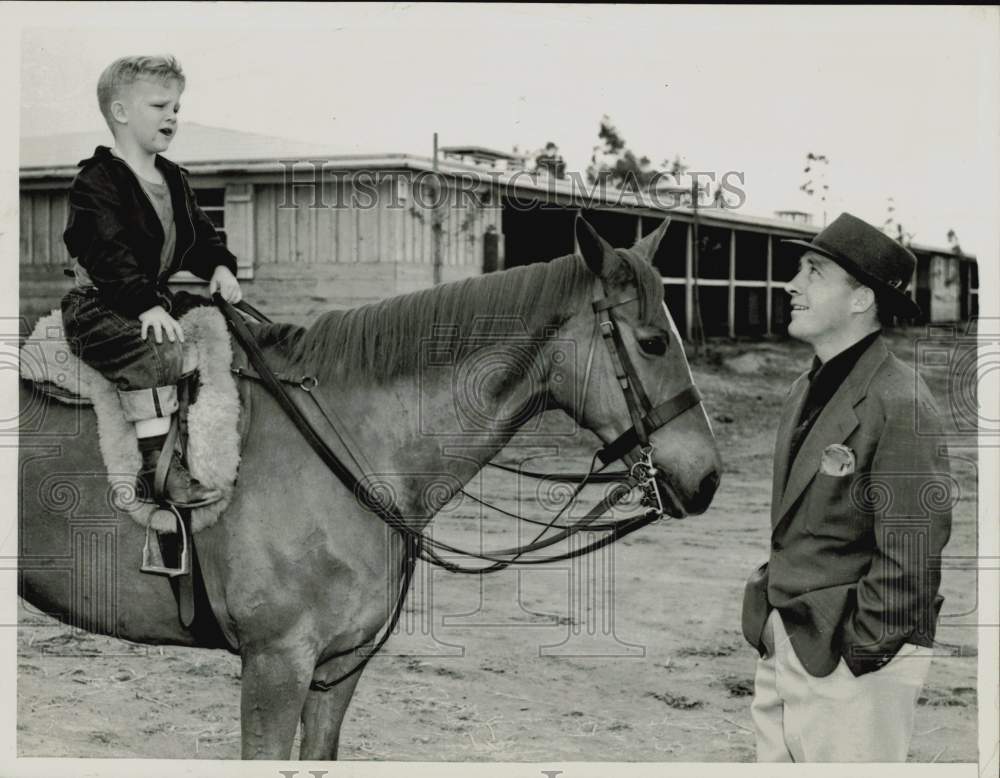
x: 844, y: 612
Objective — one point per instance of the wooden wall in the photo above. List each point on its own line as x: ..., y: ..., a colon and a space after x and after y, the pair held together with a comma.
x: 296, y: 260
x: 43, y: 254
x: 303, y: 255
x: 339, y: 255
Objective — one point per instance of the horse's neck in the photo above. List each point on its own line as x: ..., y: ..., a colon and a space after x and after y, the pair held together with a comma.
x: 426, y: 436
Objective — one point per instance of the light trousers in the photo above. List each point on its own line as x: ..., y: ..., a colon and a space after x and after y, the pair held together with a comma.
x: 798, y: 717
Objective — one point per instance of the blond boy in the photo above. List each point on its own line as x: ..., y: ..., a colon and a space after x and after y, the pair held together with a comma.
x: 133, y: 222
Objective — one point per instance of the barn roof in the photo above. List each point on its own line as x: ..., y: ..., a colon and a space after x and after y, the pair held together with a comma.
x: 217, y: 150
x: 481, y: 151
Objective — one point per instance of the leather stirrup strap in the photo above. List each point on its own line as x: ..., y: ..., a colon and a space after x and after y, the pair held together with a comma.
x: 185, y: 587
x: 164, y: 462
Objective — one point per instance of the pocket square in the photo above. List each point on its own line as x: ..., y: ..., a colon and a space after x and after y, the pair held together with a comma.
x: 837, y: 460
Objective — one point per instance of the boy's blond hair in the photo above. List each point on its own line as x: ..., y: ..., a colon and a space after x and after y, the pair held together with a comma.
x: 125, y: 71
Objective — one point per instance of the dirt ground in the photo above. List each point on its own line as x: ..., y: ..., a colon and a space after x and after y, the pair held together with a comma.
x: 632, y: 654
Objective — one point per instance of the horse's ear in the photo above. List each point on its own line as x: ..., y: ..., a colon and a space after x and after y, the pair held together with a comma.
x: 597, y: 252
x: 647, y: 246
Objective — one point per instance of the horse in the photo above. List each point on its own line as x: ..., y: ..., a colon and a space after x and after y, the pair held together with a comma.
x: 297, y: 567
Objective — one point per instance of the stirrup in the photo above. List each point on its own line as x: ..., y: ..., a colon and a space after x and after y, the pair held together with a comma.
x: 152, y: 556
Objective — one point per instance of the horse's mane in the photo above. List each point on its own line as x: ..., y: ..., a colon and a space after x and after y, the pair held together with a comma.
x: 386, y: 339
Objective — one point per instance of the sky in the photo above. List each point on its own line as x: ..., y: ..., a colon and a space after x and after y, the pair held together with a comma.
x: 903, y: 101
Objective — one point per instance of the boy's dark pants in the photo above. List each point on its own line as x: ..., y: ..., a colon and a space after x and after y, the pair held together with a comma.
x: 145, y: 372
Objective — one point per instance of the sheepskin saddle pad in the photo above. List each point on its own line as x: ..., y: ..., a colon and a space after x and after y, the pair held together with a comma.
x: 213, y: 417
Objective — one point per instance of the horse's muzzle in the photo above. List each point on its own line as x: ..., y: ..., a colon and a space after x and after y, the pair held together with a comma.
x: 697, y: 503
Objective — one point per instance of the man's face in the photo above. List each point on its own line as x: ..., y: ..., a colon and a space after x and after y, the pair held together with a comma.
x: 821, y: 300
x: 150, y: 109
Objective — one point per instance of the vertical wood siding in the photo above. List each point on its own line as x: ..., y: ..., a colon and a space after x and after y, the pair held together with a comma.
x: 240, y: 227
x: 354, y: 233
x: 42, y: 221
x: 303, y: 260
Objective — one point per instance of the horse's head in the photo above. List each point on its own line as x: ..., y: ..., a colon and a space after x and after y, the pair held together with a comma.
x: 638, y: 323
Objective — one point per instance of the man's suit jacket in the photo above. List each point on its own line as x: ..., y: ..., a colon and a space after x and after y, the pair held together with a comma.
x: 854, y: 566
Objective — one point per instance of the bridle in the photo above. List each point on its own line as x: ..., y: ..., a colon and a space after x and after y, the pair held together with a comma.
x: 646, y: 418
x: 633, y: 445
x: 641, y: 475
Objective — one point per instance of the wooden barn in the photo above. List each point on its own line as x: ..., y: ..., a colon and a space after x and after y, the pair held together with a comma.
x: 315, y: 229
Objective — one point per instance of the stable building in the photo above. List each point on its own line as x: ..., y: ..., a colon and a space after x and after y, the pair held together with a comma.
x: 315, y: 228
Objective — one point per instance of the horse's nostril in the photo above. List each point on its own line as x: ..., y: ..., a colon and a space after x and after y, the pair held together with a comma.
x: 710, y: 482
x: 706, y: 490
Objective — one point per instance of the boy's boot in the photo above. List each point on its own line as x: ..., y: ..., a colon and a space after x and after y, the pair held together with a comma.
x: 151, y: 410
x: 180, y: 489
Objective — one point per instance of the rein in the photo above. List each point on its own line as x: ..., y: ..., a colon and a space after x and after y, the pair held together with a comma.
x: 641, y: 474
x: 646, y: 418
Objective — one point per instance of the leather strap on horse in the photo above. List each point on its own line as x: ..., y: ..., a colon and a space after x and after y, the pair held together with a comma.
x: 409, y: 563
x: 388, y: 513
x: 183, y: 589
x: 613, y: 451
x: 656, y: 418
x: 610, y: 477
x: 415, y: 540
x: 645, y: 418
x: 615, y: 530
x: 164, y: 462
x: 194, y: 611
x: 412, y: 539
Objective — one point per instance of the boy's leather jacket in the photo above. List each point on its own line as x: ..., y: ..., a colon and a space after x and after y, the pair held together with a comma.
x: 116, y: 236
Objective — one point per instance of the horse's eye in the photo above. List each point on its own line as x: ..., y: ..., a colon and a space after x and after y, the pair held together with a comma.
x: 657, y: 346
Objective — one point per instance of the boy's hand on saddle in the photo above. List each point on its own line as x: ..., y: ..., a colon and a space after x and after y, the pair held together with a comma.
x: 225, y: 283
x: 160, y: 322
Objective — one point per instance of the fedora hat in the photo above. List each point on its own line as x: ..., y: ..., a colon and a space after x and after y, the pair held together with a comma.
x: 872, y: 257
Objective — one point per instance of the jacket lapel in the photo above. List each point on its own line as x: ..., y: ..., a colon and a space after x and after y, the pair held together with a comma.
x: 835, y: 423
x: 789, y: 418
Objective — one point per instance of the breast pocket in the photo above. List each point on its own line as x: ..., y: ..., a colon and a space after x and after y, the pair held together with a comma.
x: 832, y: 508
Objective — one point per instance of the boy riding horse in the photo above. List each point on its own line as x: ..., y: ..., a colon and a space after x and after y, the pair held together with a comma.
x: 133, y: 222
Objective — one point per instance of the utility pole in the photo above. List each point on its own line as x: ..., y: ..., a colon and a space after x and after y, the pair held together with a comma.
x: 436, y: 218
x: 698, y: 335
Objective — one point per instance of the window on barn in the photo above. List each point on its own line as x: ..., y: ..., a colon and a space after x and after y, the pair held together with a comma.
x: 213, y: 203
x: 230, y: 209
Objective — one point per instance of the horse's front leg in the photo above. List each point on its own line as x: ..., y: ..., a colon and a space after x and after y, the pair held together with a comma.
x: 275, y: 684
x: 324, y: 712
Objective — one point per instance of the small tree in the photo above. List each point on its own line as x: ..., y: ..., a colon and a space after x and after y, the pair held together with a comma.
x: 614, y: 164
x: 815, y: 183
x: 675, y: 168
x: 893, y: 227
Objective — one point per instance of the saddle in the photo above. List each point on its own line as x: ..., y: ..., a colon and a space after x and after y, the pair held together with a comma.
x: 208, y: 422
x: 208, y: 426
